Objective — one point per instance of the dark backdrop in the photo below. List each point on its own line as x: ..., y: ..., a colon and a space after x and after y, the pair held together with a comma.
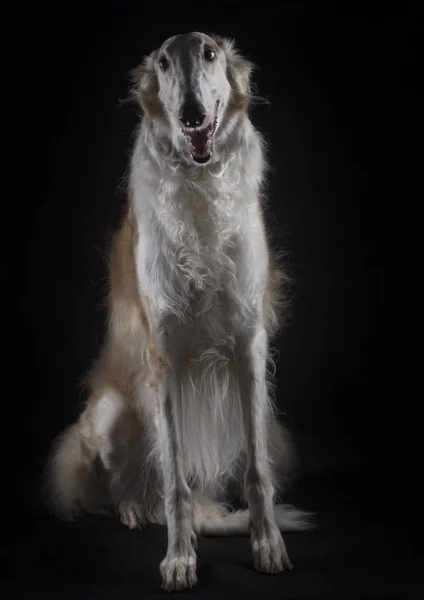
x: 345, y: 195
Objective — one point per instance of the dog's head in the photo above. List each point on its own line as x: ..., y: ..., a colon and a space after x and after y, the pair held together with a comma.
x: 191, y: 84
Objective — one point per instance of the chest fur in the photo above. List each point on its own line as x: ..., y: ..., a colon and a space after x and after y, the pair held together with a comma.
x: 187, y: 249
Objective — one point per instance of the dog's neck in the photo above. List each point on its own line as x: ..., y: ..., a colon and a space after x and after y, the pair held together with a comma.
x: 179, y: 192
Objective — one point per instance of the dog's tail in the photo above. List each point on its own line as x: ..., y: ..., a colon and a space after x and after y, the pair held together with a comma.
x: 214, y: 519
x: 72, y: 481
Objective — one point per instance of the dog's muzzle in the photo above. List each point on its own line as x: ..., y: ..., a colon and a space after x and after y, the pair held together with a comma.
x: 200, y: 139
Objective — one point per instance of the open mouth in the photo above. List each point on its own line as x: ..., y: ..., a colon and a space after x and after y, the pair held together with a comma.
x: 200, y: 141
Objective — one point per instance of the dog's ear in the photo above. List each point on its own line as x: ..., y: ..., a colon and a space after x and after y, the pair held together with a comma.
x: 145, y: 85
x: 239, y: 71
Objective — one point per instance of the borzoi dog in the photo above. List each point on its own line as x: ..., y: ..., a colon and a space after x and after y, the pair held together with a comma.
x: 179, y: 421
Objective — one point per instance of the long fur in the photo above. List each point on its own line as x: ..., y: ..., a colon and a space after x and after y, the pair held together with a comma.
x: 192, y: 278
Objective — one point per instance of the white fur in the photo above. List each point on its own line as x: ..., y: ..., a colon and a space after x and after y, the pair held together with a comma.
x: 172, y: 452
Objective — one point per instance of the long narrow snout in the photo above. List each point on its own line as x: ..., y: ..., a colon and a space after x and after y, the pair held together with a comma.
x: 199, y: 129
x: 192, y: 114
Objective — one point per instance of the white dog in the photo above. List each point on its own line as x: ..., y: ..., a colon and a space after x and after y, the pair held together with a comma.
x: 179, y: 420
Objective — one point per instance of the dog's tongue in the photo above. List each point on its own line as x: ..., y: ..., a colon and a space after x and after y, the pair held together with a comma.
x: 200, y: 145
x: 199, y: 141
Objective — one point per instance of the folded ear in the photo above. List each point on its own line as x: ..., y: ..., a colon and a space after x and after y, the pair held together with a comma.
x: 239, y: 71
x: 146, y: 86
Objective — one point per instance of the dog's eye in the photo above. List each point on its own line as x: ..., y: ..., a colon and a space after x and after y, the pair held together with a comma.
x: 163, y: 63
x: 209, y: 54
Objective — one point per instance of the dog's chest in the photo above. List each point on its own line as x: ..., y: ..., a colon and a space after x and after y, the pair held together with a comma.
x: 190, y: 270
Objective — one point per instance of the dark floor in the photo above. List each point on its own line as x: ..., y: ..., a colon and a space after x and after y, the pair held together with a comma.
x: 364, y: 549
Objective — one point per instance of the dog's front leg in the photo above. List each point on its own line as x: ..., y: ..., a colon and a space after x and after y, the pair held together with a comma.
x: 178, y: 568
x: 269, y: 551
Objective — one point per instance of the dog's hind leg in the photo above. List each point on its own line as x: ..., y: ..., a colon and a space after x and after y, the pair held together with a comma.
x: 72, y: 482
x: 120, y: 442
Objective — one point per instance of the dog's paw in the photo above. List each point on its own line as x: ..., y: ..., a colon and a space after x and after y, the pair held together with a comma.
x: 132, y: 515
x: 269, y: 551
x: 178, y: 569
x: 178, y: 573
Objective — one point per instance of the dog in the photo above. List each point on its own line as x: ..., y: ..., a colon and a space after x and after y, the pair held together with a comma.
x: 179, y: 423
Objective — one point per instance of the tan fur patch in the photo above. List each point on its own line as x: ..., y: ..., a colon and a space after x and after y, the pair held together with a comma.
x: 146, y: 86
x: 131, y: 329
x: 273, y: 295
x: 239, y: 70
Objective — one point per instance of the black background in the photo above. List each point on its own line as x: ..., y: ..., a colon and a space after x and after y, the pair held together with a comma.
x: 346, y: 195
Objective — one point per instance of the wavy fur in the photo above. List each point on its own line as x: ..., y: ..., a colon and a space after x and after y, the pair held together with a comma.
x: 178, y: 421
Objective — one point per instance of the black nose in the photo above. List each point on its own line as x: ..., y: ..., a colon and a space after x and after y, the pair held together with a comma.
x: 192, y: 114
